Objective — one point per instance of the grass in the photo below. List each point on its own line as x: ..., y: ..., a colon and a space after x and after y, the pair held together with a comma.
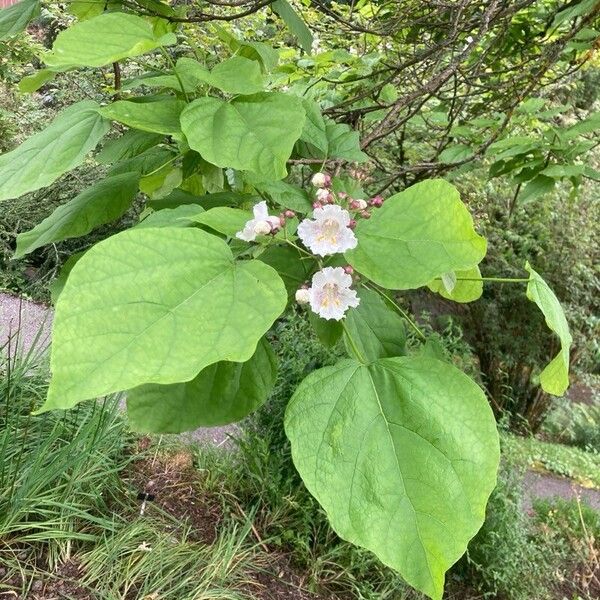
x: 567, y: 461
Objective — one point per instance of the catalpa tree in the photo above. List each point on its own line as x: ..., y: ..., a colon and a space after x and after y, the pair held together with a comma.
x: 399, y: 447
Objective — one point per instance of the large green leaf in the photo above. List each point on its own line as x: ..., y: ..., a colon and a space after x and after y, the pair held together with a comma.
x: 295, y: 23
x: 373, y: 329
x: 293, y: 267
x: 416, y: 236
x: 156, y: 305
x: 161, y: 116
x: 468, y: 286
x: 286, y: 195
x: 236, y: 75
x: 16, y: 17
x: 222, y: 393
x: 554, y: 379
x: 60, y: 147
x: 105, y: 39
x: 104, y: 202
x: 250, y: 133
x: 402, y: 455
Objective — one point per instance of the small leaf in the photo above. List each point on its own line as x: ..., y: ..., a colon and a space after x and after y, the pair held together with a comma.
x: 131, y: 143
x: 181, y: 216
x: 295, y: 23
x: 250, y: 133
x: 15, y: 18
x: 292, y: 267
x: 455, y: 153
x: 222, y: 393
x: 402, y: 454
x: 44, y: 157
x: 103, y: 203
x: 416, y: 236
x: 156, y: 305
x: 376, y: 330
x: 32, y: 83
x: 236, y: 75
x: 462, y: 291
x: 105, y: 39
x: 161, y: 116
x: 223, y: 219
x: 329, y: 332
x: 554, y: 379
x: 286, y: 195
x: 538, y: 186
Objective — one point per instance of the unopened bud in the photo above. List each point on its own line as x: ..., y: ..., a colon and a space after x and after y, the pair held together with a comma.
x: 352, y: 224
x: 302, y: 296
x: 359, y: 204
x: 342, y: 195
x: 317, y: 205
x: 324, y: 195
x: 282, y: 220
x: 348, y: 269
x: 321, y: 180
x: 377, y: 201
x: 289, y: 214
x: 365, y: 214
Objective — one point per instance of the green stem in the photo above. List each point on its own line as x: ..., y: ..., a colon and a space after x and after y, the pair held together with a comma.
x: 353, y: 345
x: 491, y: 279
x: 288, y: 241
x: 400, y: 310
x: 174, y: 67
x: 162, y: 166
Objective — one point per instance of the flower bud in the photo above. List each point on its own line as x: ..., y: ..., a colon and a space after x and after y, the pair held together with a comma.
x: 348, y: 269
x: 282, y: 220
x: 365, y: 214
x: 352, y: 224
x: 359, y: 204
x: 342, y: 195
x: 262, y: 228
x: 377, y: 201
x: 302, y: 296
x: 324, y: 195
x: 317, y: 205
x: 289, y: 214
x: 321, y: 180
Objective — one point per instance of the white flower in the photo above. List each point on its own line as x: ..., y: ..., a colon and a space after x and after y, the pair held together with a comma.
x: 321, y: 180
x: 302, y: 296
x: 330, y: 295
x: 329, y: 232
x: 262, y: 224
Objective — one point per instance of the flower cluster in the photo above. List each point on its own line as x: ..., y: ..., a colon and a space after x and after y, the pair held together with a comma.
x: 328, y: 232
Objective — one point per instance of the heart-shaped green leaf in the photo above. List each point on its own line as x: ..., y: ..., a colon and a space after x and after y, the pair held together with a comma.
x: 250, y: 133
x: 402, y: 454
x: 416, y: 236
x: 468, y: 286
x: 156, y: 305
x: 161, y: 116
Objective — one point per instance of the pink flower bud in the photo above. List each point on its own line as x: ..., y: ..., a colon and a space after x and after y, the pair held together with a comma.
x: 290, y: 214
x: 359, y: 204
x: 377, y: 201
x: 348, y: 269
x: 365, y: 214
x: 302, y: 296
x: 342, y: 195
x: 282, y: 220
x: 352, y: 224
x: 317, y: 205
x: 324, y: 195
x: 321, y: 180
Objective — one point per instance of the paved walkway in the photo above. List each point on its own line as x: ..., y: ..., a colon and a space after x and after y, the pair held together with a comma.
x: 547, y: 486
x: 26, y: 325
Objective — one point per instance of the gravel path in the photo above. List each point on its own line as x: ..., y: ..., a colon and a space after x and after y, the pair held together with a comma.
x: 23, y: 323
x: 33, y: 322
x: 543, y: 485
